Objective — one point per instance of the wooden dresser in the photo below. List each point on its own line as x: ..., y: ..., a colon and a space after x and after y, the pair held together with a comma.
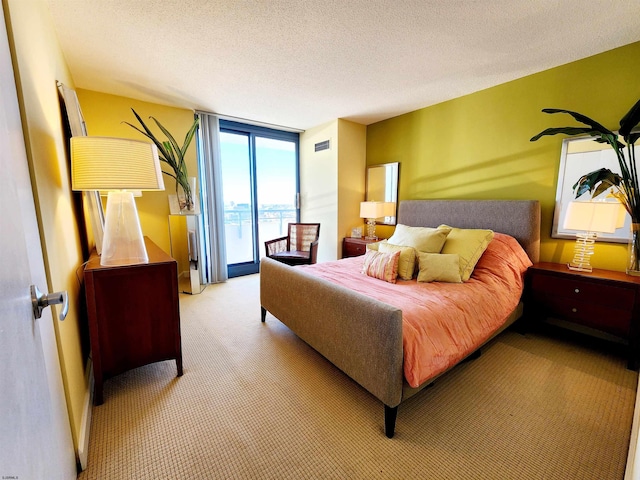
x: 134, y: 315
x: 602, y: 300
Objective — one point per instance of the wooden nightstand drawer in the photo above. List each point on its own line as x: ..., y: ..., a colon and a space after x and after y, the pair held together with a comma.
x: 611, y: 320
x: 584, y: 291
x: 354, y: 247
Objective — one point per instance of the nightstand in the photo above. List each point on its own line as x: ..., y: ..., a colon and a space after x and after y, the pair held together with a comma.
x: 134, y: 315
x: 602, y: 300
x: 354, y: 247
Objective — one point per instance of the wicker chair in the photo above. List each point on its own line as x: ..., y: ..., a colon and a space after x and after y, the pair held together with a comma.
x: 300, y: 247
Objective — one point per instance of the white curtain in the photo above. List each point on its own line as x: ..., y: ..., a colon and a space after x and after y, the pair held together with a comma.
x: 210, y: 171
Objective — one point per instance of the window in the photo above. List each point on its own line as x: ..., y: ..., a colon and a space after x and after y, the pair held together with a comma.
x: 260, y: 187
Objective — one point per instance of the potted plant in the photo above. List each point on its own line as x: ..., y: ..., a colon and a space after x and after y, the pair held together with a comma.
x: 624, y: 186
x: 172, y: 154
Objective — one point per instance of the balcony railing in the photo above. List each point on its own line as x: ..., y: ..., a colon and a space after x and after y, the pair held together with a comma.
x: 272, y: 223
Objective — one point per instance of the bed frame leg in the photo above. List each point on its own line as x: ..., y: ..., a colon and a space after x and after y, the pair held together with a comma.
x: 263, y: 314
x: 390, y: 414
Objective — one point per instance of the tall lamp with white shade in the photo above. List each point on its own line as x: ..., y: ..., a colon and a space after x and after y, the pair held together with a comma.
x: 589, y: 219
x: 120, y: 166
x: 373, y: 210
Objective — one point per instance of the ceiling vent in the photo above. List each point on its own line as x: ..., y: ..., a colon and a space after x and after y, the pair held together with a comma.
x: 322, y: 146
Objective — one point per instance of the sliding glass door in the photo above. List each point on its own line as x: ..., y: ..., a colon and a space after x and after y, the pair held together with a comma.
x: 260, y: 190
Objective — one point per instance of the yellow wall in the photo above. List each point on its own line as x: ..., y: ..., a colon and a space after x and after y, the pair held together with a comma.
x: 104, y: 115
x: 39, y: 63
x: 477, y: 146
x: 351, y: 176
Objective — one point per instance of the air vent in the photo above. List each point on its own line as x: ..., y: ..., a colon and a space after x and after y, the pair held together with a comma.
x: 322, y: 146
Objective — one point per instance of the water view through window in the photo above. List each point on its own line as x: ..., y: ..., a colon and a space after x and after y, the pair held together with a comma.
x: 259, y: 190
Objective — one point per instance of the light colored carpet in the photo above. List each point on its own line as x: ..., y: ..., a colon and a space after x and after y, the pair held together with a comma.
x: 256, y: 402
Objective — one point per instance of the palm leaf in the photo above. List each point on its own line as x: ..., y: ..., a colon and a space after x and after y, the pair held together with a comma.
x: 630, y: 121
x: 169, y: 151
x: 580, y: 118
x: 596, y: 182
x: 168, y: 135
x: 563, y: 130
x: 189, y: 136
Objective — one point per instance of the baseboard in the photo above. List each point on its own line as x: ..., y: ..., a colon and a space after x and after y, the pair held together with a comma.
x: 632, y: 471
x: 85, y: 427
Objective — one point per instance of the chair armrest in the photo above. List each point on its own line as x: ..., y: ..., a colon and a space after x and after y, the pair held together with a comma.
x: 313, y: 252
x: 276, y: 245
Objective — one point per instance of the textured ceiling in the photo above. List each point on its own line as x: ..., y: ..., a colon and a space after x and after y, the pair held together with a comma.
x: 301, y: 63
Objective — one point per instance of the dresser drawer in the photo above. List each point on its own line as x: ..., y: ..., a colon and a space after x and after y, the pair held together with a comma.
x: 355, y: 249
x: 578, y: 291
x: 611, y: 320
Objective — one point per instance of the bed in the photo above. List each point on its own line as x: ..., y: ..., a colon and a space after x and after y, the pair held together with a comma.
x: 363, y: 335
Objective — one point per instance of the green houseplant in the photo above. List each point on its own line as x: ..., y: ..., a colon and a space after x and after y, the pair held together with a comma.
x: 173, y: 155
x: 624, y: 186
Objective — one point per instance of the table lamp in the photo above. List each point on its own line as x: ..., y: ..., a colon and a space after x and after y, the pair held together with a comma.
x: 373, y: 210
x: 119, y: 166
x: 590, y: 218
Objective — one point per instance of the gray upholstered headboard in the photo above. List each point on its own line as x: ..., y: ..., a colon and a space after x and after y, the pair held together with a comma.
x: 518, y: 218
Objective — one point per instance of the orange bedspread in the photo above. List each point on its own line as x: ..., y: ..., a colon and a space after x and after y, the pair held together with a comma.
x: 443, y: 322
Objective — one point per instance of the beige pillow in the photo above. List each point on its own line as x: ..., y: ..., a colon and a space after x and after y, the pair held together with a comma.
x: 407, y: 260
x: 423, y: 239
x: 439, y: 267
x: 469, y: 244
x: 374, y: 246
x: 383, y: 266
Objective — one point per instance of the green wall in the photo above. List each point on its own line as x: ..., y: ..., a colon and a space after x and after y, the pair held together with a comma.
x: 477, y: 146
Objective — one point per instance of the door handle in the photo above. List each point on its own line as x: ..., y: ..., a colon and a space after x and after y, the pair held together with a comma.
x: 40, y: 301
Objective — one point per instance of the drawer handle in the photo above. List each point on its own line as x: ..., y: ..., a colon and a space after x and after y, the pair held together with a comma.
x: 577, y: 290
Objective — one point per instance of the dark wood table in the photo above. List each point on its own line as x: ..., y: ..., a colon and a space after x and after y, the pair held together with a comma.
x: 134, y: 315
x: 602, y: 300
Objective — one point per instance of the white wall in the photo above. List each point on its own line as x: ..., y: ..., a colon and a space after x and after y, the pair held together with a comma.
x: 319, y: 186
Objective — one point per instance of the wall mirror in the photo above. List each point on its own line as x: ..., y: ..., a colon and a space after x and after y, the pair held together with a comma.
x: 579, y: 156
x: 382, y: 186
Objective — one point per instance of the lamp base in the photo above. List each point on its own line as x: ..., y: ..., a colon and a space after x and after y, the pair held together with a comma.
x: 582, y: 252
x: 371, y: 229
x: 123, y: 243
x: 579, y: 268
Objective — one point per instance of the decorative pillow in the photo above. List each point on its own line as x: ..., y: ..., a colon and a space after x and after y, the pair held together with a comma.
x: 407, y: 260
x: 439, y: 267
x: 383, y: 266
x: 469, y: 244
x: 375, y: 246
x: 423, y: 239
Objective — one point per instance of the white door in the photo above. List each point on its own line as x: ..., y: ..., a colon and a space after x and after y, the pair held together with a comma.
x: 35, y: 437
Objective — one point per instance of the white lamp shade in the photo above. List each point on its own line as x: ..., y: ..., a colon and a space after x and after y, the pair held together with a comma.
x: 106, y: 163
x: 600, y: 217
x: 377, y: 209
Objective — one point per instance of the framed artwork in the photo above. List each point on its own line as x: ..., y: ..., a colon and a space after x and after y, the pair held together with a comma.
x: 78, y: 128
x: 579, y: 156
